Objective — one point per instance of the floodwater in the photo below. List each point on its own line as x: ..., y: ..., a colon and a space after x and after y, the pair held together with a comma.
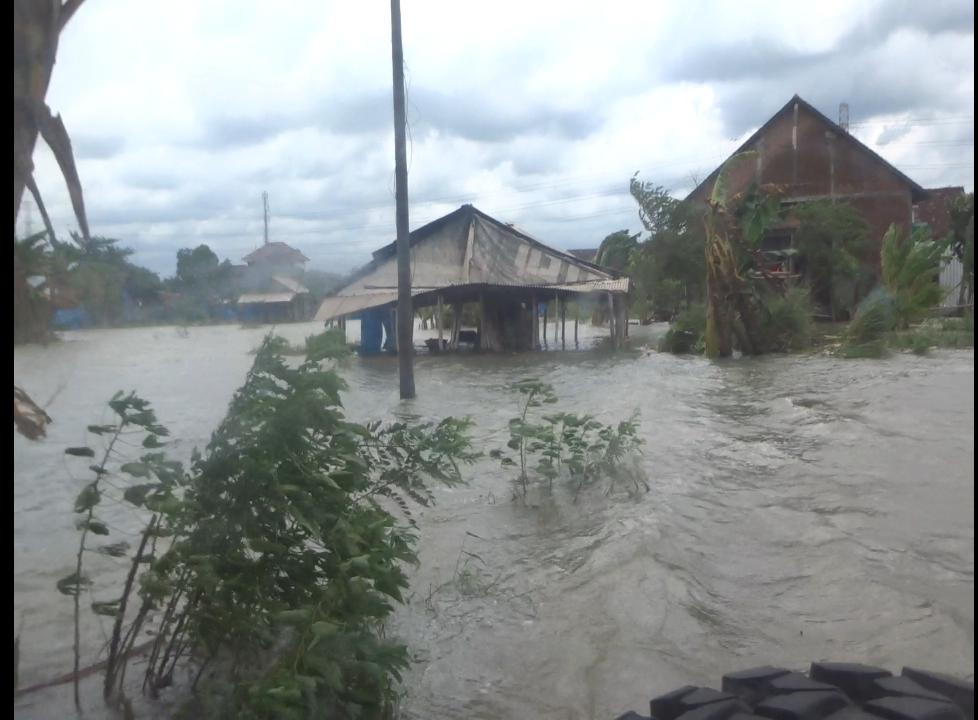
x: 800, y: 508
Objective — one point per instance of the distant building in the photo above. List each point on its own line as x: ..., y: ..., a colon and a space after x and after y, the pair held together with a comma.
x: 272, y: 291
x: 465, y: 257
x: 935, y: 211
x: 275, y: 258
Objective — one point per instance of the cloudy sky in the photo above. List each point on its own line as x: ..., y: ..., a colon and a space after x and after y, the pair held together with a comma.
x: 183, y: 112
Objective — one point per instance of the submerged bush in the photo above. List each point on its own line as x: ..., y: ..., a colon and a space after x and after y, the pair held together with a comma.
x: 285, y: 554
x: 579, y: 447
x: 786, y: 322
x: 686, y: 333
x: 875, y: 316
x: 910, y: 268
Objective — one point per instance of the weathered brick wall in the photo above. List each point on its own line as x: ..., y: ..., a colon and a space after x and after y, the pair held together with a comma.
x: 826, y: 164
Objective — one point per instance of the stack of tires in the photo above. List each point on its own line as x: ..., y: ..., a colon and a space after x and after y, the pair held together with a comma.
x: 830, y: 691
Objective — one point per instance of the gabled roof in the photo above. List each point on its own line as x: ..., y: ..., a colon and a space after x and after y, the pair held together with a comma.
x: 917, y: 192
x: 466, y: 247
x: 467, y: 212
x: 290, y: 284
x: 586, y: 254
x: 275, y: 252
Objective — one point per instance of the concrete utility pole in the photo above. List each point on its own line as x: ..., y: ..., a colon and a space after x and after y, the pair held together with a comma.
x: 405, y: 313
x: 264, y: 202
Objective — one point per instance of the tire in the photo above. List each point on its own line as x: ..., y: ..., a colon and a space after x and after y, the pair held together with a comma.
x: 830, y: 691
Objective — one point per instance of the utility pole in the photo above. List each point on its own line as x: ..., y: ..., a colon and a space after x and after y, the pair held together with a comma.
x: 264, y: 202
x: 405, y: 313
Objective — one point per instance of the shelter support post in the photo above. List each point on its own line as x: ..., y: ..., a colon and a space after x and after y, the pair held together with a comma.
x: 577, y: 313
x: 620, y: 313
x: 456, y: 324
x: 563, y: 324
x: 483, y: 330
x: 546, y: 317
x: 534, y: 323
x: 439, y: 321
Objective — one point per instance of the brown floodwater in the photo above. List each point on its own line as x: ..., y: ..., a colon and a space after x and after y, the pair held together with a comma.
x: 800, y: 508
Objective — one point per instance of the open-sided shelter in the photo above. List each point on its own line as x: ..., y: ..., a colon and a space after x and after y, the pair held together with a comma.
x: 467, y: 257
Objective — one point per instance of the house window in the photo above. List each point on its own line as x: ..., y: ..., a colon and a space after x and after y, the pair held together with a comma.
x: 776, y: 241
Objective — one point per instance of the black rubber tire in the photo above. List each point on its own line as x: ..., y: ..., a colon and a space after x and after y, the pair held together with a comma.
x: 830, y: 691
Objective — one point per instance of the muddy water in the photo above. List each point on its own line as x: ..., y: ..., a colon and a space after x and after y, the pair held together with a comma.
x: 800, y: 508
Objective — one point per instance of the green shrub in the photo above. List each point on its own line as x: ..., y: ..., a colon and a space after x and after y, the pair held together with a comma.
x: 686, y: 333
x: 910, y: 269
x: 578, y: 446
x: 285, y: 544
x: 786, y: 323
x: 875, y: 316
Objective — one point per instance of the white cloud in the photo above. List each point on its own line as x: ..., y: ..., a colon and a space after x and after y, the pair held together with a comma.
x: 182, y: 113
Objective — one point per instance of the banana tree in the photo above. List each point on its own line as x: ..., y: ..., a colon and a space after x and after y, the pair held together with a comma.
x: 732, y: 309
x: 37, y: 28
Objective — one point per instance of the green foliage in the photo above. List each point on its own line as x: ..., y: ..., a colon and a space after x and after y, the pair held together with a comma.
x: 97, y: 274
x: 547, y: 446
x: 656, y: 208
x: 875, y: 330
x: 910, y: 269
x: 875, y: 316
x: 941, y: 333
x: 196, y: 266
x: 755, y: 213
x: 832, y: 240
x: 616, y: 250
x: 720, y: 195
x: 962, y: 242
x: 686, y: 333
x: 785, y: 322
x: 328, y: 345
x: 202, y: 281
x: 286, y: 506
x: 286, y: 553
x: 668, y: 268
x: 159, y: 490
x: 32, y: 307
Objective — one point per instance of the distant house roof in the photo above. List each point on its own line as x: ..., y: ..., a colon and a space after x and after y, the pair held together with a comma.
x: 467, y: 248
x: 587, y: 255
x: 275, y: 252
x: 917, y: 192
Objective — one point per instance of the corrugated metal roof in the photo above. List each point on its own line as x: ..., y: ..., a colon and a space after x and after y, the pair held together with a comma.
x: 293, y: 285
x: 264, y: 298
x: 469, y: 248
x: 339, y: 305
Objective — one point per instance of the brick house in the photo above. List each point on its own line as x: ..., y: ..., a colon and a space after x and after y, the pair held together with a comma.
x: 813, y: 158
x: 935, y: 210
